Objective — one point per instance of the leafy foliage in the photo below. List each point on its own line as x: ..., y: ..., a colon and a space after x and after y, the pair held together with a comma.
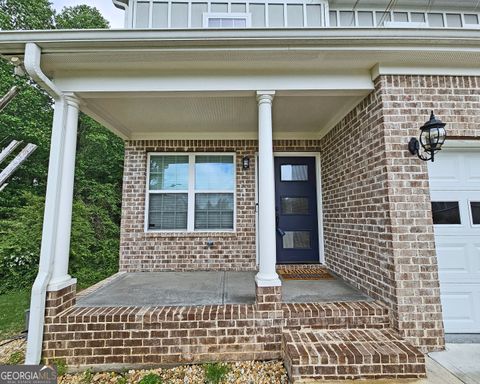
x: 80, y: 17
x: 151, y: 378
x: 215, y: 373
x: 99, y: 166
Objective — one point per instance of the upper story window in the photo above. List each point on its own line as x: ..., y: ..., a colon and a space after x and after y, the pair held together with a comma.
x: 227, y: 20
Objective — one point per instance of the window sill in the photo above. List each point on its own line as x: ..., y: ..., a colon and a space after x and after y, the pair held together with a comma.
x: 199, y: 234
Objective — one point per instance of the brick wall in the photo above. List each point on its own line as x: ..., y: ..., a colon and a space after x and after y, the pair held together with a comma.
x: 141, y: 251
x: 114, y: 337
x: 377, y: 217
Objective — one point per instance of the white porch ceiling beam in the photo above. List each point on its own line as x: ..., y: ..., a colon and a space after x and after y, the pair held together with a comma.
x: 211, y: 83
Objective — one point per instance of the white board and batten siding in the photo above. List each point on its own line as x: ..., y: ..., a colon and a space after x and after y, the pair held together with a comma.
x: 455, y: 194
x: 184, y: 14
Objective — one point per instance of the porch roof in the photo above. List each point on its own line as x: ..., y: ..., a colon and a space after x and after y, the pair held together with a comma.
x: 169, y: 84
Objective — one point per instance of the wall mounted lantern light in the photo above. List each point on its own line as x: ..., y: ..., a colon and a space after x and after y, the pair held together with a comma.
x: 432, y: 137
x: 246, y: 162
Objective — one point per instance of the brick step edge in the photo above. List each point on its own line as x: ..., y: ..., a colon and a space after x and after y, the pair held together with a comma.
x: 352, y: 354
x: 338, y: 315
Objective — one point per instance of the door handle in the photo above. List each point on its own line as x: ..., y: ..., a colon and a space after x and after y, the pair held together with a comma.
x: 280, y: 231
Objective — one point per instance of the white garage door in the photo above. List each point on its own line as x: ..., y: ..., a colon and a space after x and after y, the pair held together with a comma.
x: 455, y: 193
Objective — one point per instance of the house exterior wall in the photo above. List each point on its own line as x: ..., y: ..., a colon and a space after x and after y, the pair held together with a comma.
x: 183, y: 251
x: 378, y: 229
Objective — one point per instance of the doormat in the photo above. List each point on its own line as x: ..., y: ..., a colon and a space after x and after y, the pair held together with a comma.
x: 305, y: 274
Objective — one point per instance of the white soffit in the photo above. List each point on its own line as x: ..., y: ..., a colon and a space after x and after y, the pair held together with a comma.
x: 218, y: 116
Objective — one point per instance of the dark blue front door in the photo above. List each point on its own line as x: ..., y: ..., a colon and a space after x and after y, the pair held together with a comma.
x: 296, y: 209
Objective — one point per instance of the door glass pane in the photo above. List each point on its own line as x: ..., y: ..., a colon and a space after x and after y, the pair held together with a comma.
x: 382, y: 17
x: 179, y: 15
x: 445, y: 212
x: 294, y: 172
x: 214, y: 211
x: 333, y: 18
x: 294, y: 205
x: 296, y: 240
x: 197, y: 14
x: 219, y: 7
x: 160, y: 15
x: 168, y: 173
x: 142, y: 16
x: 239, y: 7
x: 475, y: 206
x: 168, y: 211
x: 214, y: 173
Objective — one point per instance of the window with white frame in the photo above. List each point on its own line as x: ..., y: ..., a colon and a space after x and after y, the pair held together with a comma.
x: 191, y: 192
x: 227, y: 20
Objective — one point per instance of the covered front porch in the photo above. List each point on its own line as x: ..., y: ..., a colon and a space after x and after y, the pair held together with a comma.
x: 199, y: 288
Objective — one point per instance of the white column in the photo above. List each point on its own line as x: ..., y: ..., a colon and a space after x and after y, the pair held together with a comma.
x: 60, y: 277
x: 267, y: 275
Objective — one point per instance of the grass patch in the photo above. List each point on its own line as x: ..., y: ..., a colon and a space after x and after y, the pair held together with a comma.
x: 12, y: 315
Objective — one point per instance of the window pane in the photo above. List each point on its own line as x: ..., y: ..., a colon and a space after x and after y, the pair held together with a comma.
x: 214, y: 173
x: 168, y: 173
x: 347, y: 19
x: 214, y: 23
x: 294, y: 172
x: 226, y: 23
x: 417, y: 17
x: 454, y: 20
x: 475, y: 206
x: 471, y: 19
x: 294, y: 205
x: 296, y: 240
x: 240, y: 23
x: 445, y: 212
x: 214, y: 211
x: 365, y: 19
x: 168, y: 211
x: 435, y: 20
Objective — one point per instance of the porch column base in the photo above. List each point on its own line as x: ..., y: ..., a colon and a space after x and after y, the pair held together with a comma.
x: 59, y: 284
x: 268, y: 298
x: 59, y: 300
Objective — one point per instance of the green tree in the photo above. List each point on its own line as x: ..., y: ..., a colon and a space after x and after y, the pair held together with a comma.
x: 26, y: 14
x: 98, y: 175
x: 80, y: 17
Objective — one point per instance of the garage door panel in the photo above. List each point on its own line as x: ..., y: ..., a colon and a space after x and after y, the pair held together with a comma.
x: 460, y: 308
x: 455, y: 192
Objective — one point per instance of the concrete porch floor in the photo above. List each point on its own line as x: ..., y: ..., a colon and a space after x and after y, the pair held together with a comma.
x: 208, y: 288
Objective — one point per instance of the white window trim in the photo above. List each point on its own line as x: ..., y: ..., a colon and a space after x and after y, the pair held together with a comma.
x: 191, y: 193
x: 227, y: 15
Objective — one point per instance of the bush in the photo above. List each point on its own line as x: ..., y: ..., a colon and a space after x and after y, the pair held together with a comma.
x: 215, y: 373
x: 151, y: 378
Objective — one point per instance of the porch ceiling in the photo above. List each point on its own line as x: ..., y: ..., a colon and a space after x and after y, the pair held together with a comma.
x: 211, y: 115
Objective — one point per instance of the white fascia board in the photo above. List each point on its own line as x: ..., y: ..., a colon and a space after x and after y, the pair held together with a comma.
x: 210, y: 83
x: 381, y: 69
x: 13, y: 42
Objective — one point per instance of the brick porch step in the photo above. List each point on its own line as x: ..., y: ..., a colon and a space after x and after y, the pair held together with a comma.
x: 321, y: 354
x: 339, y: 315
